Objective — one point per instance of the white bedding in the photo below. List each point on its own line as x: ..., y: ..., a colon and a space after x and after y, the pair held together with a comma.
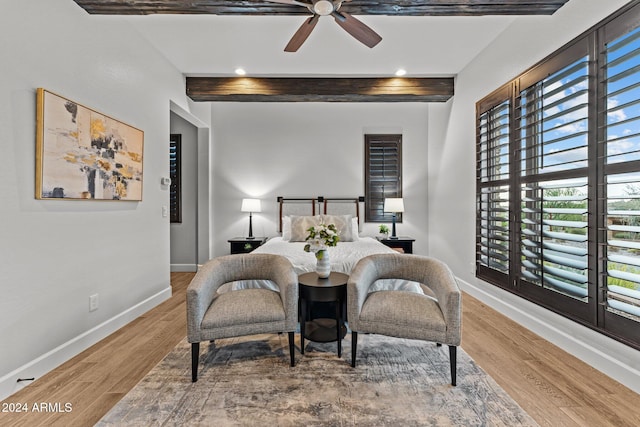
x: 344, y: 256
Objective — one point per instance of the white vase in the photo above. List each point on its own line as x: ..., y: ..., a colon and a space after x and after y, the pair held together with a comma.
x: 323, y: 265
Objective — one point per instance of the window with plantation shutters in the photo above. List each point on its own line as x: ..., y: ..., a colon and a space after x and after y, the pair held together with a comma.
x: 558, y: 180
x: 175, y: 196
x: 493, y: 220
x: 620, y: 147
x: 552, y: 126
x: 383, y: 175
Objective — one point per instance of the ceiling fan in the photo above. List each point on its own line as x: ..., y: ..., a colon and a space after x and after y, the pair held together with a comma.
x: 318, y: 8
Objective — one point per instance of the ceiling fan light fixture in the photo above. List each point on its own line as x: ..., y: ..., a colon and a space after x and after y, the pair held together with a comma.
x: 356, y: 28
x: 323, y: 7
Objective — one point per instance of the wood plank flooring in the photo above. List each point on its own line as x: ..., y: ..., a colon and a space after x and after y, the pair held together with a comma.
x: 555, y: 388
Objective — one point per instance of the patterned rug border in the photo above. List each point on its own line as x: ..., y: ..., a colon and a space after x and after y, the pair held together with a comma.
x: 248, y: 381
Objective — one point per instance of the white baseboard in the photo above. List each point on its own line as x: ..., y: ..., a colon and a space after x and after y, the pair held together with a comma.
x: 47, y: 362
x: 184, y: 268
x: 617, y: 360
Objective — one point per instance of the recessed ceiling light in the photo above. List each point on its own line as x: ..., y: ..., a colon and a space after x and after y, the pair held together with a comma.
x: 240, y: 71
x: 401, y: 72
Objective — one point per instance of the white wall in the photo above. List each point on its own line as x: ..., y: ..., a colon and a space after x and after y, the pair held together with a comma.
x: 451, y: 212
x: 55, y: 254
x: 266, y: 150
x: 198, y: 114
x: 183, y: 235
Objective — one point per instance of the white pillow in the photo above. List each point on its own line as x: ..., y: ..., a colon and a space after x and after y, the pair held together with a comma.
x: 343, y: 224
x: 300, y: 225
x: 286, y: 228
x: 354, y: 228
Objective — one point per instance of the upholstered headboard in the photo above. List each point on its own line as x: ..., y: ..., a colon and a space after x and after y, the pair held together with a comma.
x: 318, y: 205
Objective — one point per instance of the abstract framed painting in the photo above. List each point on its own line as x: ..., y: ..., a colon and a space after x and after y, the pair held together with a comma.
x: 82, y: 154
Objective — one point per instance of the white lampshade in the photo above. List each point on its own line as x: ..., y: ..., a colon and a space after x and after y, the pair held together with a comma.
x: 393, y: 205
x: 251, y: 205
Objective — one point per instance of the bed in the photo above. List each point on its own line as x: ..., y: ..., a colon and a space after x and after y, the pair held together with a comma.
x: 343, y: 257
x: 296, y: 215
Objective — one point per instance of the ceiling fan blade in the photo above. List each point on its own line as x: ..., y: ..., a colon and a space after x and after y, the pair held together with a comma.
x: 297, y: 3
x: 301, y: 35
x: 358, y: 29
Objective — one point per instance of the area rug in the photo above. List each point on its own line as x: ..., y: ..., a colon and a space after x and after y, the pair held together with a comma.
x: 247, y: 381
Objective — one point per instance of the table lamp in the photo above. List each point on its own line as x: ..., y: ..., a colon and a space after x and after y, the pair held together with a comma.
x: 394, y: 205
x: 251, y: 205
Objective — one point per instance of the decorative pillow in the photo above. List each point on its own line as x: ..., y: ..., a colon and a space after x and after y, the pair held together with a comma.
x: 300, y: 225
x: 286, y: 228
x: 355, y: 225
x: 343, y: 225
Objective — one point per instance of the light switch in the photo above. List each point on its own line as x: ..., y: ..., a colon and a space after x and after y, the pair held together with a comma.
x: 165, y: 211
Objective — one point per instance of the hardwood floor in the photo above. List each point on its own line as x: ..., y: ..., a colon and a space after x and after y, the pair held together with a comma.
x: 99, y: 377
x: 555, y: 388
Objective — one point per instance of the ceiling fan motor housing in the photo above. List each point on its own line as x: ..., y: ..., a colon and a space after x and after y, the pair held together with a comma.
x: 323, y: 7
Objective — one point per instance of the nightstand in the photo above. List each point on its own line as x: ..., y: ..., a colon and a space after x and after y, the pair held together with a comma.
x: 244, y: 245
x: 402, y: 244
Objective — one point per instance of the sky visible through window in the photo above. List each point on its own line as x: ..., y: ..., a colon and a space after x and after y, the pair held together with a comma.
x: 564, y: 100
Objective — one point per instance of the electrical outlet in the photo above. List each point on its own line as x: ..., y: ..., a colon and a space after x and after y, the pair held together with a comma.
x: 93, y: 302
x: 472, y: 267
x: 165, y: 211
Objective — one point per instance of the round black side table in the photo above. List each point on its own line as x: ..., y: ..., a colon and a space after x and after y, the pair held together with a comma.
x: 313, y: 289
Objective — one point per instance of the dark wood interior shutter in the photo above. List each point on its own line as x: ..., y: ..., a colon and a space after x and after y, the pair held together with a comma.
x: 493, y: 222
x: 175, y: 190
x: 383, y: 175
x: 619, y: 145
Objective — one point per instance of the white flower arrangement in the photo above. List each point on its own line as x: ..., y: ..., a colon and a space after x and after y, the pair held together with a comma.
x: 321, y: 237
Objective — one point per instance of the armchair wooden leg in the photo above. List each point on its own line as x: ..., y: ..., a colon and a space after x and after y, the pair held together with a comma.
x: 195, y: 356
x: 452, y: 361
x: 292, y: 349
x: 354, y: 347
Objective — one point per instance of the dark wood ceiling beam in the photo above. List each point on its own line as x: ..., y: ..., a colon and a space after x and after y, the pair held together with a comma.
x: 255, y: 89
x: 355, y: 7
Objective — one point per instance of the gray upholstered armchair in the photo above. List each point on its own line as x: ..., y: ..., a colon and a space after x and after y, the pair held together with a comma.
x: 212, y: 315
x: 432, y: 316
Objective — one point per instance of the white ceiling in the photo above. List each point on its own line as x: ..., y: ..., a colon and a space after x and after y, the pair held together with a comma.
x: 215, y: 45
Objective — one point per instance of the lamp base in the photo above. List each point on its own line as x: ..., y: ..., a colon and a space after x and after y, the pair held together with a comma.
x: 394, y: 236
x: 250, y: 227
